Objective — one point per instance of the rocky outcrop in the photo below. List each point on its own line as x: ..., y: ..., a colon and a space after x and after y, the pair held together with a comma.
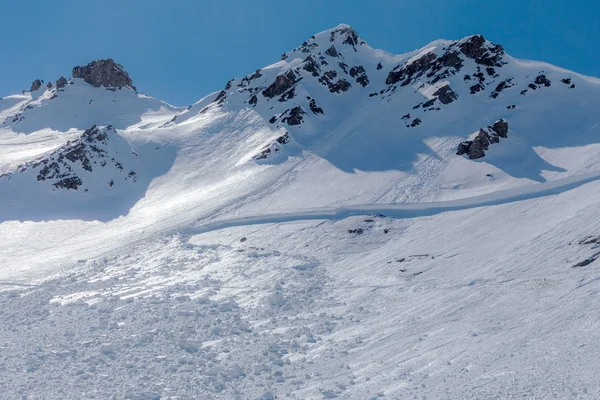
x: 67, y: 167
x: 310, y: 65
x: 433, y: 67
x: 501, y: 86
x: 49, y: 85
x: 282, y: 84
x: 295, y: 116
x: 273, y: 147
x: 405, y: 73
x: 416, y: 122
x: 478, y: 49
x: 36, y: 85
x: 446, y: 94
x: 347, y: 35
x: 61, y: 82
x: 314, y: 107
x: 500, y: 128
x: 477, y: 147
x: 360, y: 75
x: 542, y: 80
x: 341, y: 85
x: 332, y: 52
x: 106, y: 73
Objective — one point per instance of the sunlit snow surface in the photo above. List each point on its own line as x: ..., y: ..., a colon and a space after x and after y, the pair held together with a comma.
x: 364, y: 260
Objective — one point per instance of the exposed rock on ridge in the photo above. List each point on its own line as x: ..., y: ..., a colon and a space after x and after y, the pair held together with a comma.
x: 67, y: 167
x: 105, y: 73
x: 36, y: 85
x: 476, y: 148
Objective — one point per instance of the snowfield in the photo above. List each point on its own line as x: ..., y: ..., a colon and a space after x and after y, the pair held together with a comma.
x: 309, y: 232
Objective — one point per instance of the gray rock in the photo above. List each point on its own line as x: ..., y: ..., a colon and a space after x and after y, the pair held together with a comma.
x: 295, y: 117
x: 49, y: 85
x: 281, y: 85
x: 481, y: 52
x: 477, y: 88
x: 406, y: 72
x: 446, y: 94
x: 542, y: 80
x: 476, y: 148
x: 463, y: 147
x: 105, y: 73
x: 310, y: 65
x: 61, y: 82
x: 36, y: 85
x: 332, y: 52
x: 501, y: 128
x: 479, y: 145
x: 341, y: 85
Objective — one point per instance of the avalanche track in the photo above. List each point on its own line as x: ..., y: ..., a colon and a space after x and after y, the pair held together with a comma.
x: 406, y: 210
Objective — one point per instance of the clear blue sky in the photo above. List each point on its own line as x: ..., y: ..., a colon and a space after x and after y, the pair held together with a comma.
x: 181, y: 50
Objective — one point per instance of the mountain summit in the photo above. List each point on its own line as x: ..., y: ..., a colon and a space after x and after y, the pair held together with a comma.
x: 335, y: 104
x: 105, y: 73
x: 344, y: 223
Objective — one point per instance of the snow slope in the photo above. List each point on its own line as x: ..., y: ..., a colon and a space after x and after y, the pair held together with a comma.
x: 307, y: 232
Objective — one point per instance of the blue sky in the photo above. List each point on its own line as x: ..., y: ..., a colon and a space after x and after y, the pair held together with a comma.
x: 181, y: 50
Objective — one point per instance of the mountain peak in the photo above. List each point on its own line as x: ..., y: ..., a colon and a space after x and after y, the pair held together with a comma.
x: 330, y: 40
x: 105, y: 73
x: 344, y: 34
x: 481, y: 50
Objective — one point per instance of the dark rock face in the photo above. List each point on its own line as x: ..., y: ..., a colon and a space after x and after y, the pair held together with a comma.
x: 477, y: 147
x: 500, y: 88
x: 257, y: 74
x: 463, y: 147
x: 36, y: 85
x: 314, y: 107
x: 416, y: 122
x: 88, y: 152
x: 476, y: 49
x: 273, y: 147
x: 49, y: 85
x: 501, y: 128
x: 451, y: 59
x: 285, y: 139
x: 310, y: 65
x: 253, y: 100
x: 348, y: 36
x: 61, y: 82
x: 477, y: 88
x: 360, y: 74
x: 332, y: 52
x: 69, y: 183
x: 281, y: 85
x: 341, y: 85
x: 294, y: 117
x: 406, y: 72
x: 105, y: 73
x: 220, y: 99
x: 290, y: 94
x: 429, y: 103
x: 435, y: 68
x: 542, y: 80
x: 446, y: 94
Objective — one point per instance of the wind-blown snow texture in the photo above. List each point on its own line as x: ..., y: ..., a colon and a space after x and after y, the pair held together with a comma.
x: 308, y: 232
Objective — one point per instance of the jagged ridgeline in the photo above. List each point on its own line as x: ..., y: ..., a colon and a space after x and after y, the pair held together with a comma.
x: 333, y: 96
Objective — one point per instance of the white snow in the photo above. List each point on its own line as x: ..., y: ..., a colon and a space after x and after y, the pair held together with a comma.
x: 363, y: 259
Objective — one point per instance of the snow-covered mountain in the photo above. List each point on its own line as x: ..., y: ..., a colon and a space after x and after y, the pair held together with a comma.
x: 343, y: 223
